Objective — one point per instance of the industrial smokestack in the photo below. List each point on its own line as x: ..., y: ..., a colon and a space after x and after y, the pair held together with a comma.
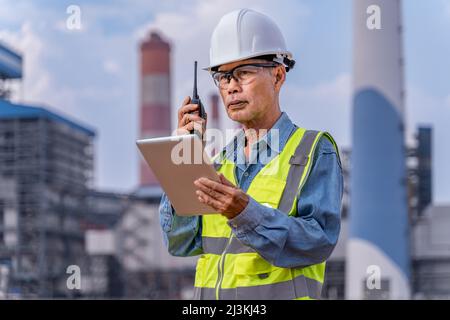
x: 378, y: 261
x: 155, y: 112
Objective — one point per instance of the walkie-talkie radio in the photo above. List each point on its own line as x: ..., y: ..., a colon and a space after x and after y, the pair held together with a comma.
x: 196, y: 99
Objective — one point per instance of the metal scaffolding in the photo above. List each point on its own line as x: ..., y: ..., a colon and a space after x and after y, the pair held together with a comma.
x: 50, y: 161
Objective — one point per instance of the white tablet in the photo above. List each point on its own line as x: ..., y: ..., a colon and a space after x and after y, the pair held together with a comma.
x: 177, y: 161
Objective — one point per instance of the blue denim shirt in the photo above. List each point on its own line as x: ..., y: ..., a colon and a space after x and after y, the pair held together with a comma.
x: 284, y: 241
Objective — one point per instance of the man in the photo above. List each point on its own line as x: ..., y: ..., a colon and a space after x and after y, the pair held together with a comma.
x: 281, y: 186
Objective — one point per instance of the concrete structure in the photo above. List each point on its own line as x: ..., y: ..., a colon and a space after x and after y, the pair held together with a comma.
x: 424, y: 164
x: 10, y: 69
x: 431, y: 254
x: 155, y: 115
x: 378, y: 174
x: 10, y: 63
x: 429, y: 236
x: 8, y: 232
x: 47, y: 163
x: 123, y: 233
x: 430, y: 258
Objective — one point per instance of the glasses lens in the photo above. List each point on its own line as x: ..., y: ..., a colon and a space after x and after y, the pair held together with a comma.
x: 215, y: 77
x: 243, y: 75
x: 220, y: 79
x: 246, y: 73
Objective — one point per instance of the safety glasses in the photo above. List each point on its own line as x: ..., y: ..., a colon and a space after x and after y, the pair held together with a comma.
x: 243, y: 74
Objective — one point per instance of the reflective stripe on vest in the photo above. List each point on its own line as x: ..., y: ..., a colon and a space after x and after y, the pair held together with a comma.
x: 230, y: 270
x: 301, y: 286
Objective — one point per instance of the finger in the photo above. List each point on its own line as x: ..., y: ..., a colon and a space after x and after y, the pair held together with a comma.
x: 182, y: 131
x: 217, y: 186
x: 185, y: 102
x: 201, y: 196
x: 184, y: 121
x: 194, y: 125
x: 188, y: 117
x: 199, y: 125
x: 211, y: 192
x: 217, y: 205
x: 195, y: 117
x: 225, y: 181
x: 187, y: 109
x: 190, y: 110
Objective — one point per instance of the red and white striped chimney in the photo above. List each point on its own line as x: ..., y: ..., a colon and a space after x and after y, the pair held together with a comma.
x: 155, y: 112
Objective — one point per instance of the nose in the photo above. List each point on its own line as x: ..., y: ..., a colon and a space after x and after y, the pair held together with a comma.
x: 233, y: 86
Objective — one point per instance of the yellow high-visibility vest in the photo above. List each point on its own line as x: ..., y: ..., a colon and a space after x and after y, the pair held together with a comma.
x: 229, y: 269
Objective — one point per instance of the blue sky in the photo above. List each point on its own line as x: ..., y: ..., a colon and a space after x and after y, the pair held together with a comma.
x: 92, y: 74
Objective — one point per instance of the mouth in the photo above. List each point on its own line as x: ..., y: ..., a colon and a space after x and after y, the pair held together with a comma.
x: 237, y: 104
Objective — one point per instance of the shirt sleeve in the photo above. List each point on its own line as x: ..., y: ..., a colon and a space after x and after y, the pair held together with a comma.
x: 305, y: 239
x: 182, y: 235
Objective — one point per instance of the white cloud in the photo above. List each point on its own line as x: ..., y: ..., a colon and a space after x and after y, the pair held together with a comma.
x: 37, y: 82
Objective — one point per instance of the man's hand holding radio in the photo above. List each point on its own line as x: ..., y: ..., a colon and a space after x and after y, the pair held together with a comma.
x: 188, y: 121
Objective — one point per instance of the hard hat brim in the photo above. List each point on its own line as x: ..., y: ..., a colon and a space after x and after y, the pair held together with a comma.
x: 216, y: 65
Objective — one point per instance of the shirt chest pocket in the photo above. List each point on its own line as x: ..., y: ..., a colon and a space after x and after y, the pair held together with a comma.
x: 267, y: 191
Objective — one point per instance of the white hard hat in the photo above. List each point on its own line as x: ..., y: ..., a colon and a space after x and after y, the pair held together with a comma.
x: 244, y: 34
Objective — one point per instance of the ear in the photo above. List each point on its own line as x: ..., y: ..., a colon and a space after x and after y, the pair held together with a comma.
x: 280, y: 76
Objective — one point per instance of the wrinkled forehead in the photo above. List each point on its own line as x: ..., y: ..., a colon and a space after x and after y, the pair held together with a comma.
x: 232, y: 65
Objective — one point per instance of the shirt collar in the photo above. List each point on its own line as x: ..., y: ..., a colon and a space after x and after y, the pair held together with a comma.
x: 281, y: 129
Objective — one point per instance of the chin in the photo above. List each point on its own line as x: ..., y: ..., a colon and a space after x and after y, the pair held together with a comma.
x: 239, y: 115
x: 235, y: 116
